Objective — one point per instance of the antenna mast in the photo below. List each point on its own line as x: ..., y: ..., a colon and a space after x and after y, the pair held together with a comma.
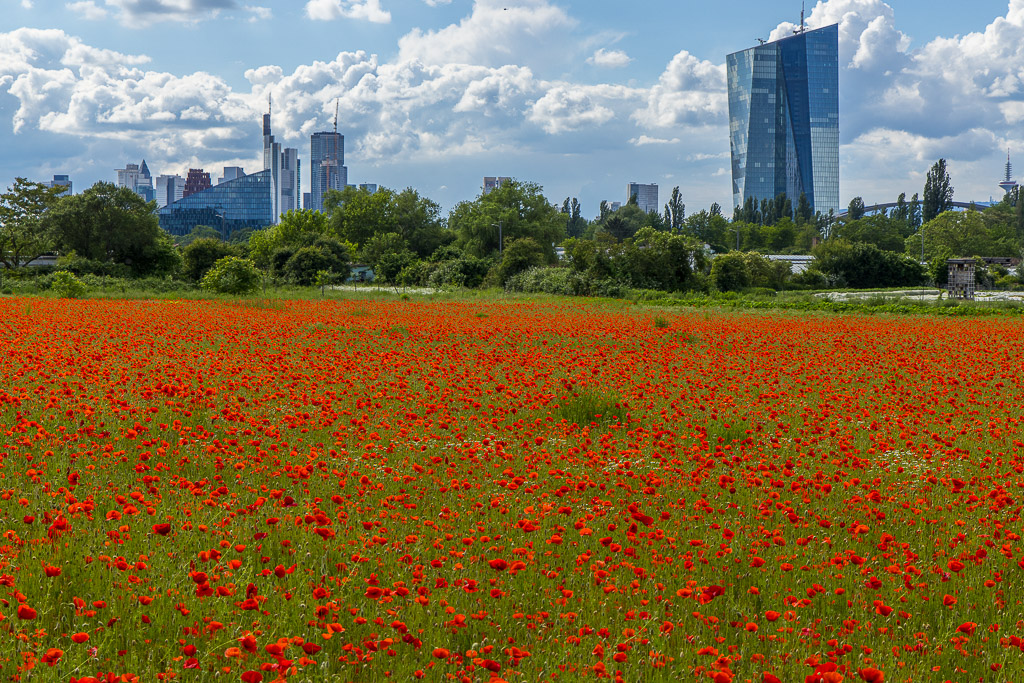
x: 802, y: 7
x: 335, y: 116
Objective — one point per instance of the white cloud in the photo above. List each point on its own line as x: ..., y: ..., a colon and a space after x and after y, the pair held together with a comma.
x: 495, y: 33
x: 87, y: 9
x: 611, y: 59
x: 258, y: 13
x: 435, y: 3
x: 690, y: 92
x: 27, y: 4
x: 139, y: 13
x: 327, y: 10
x: 642, y: 140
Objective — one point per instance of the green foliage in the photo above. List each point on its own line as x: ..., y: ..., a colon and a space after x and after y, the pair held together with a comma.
x: 864, y: 266
x: 302, y: 267
x: 113, y: 224
x: 888, y: 234
x: 67, y: 286
x: 198, y: 232
x: 23, y: 234
x: 964, y: 234
x: 855, y: 211
x: 232, y: 275
x: 519, y: 208
x: 737, y: 271
x: 458, y: 271
x: 938, y: 192
x: 519, y: 255
x: 297, y: 229
x: 659, y: 260
x: 675, y: 211
x: 200, y: 255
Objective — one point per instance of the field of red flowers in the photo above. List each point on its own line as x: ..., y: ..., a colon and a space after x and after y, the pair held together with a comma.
x: 484, y: 491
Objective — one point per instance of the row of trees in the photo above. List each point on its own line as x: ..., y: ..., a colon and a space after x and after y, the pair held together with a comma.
x: 404, y: 238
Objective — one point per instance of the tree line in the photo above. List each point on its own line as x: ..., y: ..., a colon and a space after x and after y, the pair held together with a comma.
x: 512, y: 237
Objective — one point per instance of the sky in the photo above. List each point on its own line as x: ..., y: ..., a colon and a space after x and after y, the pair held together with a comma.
x: 579, y: 96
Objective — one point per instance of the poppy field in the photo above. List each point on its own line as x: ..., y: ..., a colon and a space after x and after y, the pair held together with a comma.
x: 506, y: 490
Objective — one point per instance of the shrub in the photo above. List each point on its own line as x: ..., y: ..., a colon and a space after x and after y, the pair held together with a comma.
x: 67, y: 286
x: 232, y: 275
x: 200, y: 255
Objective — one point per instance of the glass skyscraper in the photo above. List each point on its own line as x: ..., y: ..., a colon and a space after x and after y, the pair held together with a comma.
x: 784, y: 119
x: 327, y: 170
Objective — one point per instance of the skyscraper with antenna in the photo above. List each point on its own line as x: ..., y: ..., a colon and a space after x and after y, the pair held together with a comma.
x: 1008, y: 183
x: 283, y: 165
x: 327, y: 169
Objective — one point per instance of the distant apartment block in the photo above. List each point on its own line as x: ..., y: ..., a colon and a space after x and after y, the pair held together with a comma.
x: 646, y: 195
x: 369, y: 187
x: 494, y: 182
x: 196, y: 181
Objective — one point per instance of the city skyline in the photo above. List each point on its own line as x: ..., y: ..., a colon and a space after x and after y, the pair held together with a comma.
x: 436, y: 95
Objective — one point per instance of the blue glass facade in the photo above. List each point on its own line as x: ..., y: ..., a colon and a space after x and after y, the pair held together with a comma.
x: 233, y: 205
x: 784, y: 119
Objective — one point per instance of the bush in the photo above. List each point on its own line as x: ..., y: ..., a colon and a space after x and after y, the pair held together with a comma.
x: 200, y: 255
x: 67, y: 286
x: 549, y: 281
x: 232, y: 275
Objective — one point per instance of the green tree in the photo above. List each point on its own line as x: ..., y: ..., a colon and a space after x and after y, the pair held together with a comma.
x: 804, y: 211
x: 856, y: 209
x: 199, y: 232
x: 519, y: 255
x: 418, y: 220
x: 200, y: 255
x: 387, y: 254
x: 914, y: 212
x: 862, y: 266
x: 232, y: 275
x: 675, y: 211
x: 24, y: 236
x: 514, y: 211
x: 655, y: 259
x: 901, y: 212
x: 304, y: 265
x: 112, y: 224
x: 938, y: 192
x: 297, y: 229
x: 962, y: 233
x: 356, y: 214
x: 729, y: 272
x: 881, y: 231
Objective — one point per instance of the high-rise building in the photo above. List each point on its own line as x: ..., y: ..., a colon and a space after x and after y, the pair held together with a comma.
x: 168, y: 189
x: 283, y: 165
x: 61, y: 181
x: 369, y: 187
x: 327, y: 170
x: 196, y: 181
x: 492, y: 183
x: 230, y: 173
x: 307, y: 202
x: 646, y: 195
x: 784, y: 119
x: 137, y: 179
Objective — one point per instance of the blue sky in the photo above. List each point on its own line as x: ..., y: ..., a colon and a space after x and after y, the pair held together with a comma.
x: 581, y: 97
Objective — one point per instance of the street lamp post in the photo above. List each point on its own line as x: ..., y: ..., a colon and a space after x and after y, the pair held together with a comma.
x: 737, y: 231
x: 501, y: 241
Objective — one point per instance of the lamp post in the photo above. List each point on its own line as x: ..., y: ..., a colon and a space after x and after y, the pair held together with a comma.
x: 737, y: 231
x: 501, y: 241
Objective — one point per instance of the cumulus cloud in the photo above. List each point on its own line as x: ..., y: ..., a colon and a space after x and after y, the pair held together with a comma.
x: 642, y: 140
x: 27, y: 4
x: 435, y: 3
x: 495, y: 33
x: 145, y: 12
x: 327, y: 10
x: 258, y: 13
x: 612, y: 59
x: 87, y: 9
x: 690, y: 92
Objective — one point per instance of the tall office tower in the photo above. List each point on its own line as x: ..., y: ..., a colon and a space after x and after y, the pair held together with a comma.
x: 168, y: 189
x: 369, y: 187
x: 784, y: 119
x: 307, y: 202
x: 196, y: 181
x: 137, y: 179
x: 646, y: 195
x: 230, y: 173
x: 492, y: 183
x: 291, y: 191
x: 128, y: 176
x: 327, y: 170
x: 61, y: 181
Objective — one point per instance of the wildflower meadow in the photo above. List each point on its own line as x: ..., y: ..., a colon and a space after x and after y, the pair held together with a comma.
x: 506, y: 490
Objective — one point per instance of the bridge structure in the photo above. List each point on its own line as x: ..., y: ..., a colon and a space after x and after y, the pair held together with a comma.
x: 876, y: 208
